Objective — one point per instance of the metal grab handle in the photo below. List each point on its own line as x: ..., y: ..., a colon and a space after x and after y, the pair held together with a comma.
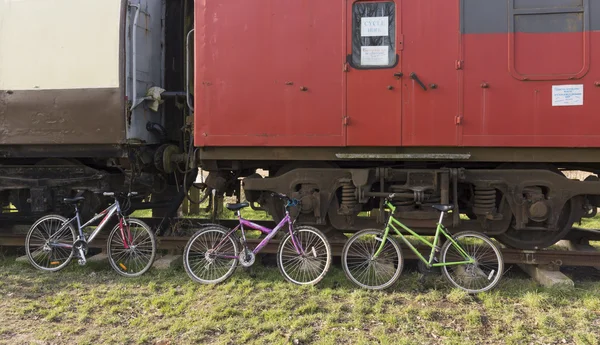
x: 134, y: 54
x: 187, y: 70
x: 414, y: 77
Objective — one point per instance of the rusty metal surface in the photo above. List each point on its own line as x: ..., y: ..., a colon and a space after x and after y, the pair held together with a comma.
x: 78, y: 116
x: 477, y: 154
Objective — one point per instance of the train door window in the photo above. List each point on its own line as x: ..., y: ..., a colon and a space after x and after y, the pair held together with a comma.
x: 549, y: 39
x: 373, y: 35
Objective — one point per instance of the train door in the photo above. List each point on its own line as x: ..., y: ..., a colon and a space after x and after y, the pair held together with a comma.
x: 432, y: 65
x: 374, y: 92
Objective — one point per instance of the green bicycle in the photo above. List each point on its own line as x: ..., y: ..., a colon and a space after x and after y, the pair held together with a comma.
x: 372, y: 259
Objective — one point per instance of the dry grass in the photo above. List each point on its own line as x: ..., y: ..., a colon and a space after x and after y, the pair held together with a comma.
x: 92, y: 305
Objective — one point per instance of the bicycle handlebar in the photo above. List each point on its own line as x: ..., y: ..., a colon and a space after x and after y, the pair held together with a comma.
x: 290, y: 201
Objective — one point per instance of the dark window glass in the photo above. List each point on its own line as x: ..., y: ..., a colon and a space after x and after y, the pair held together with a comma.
x: 373, y: 35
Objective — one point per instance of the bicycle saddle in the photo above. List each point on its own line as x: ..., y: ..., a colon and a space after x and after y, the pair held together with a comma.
x: 442, y: 207
x: 235, y: 207
x: 73, y: 200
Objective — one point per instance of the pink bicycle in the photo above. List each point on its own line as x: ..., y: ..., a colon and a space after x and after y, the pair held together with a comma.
x: 213, y: 253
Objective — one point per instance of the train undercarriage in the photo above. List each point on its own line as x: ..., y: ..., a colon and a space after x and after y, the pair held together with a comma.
x: 525, y: 206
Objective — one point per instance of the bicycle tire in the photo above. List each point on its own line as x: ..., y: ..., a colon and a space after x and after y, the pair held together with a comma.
x: 190, y: 244
x: 326, y: 248
x: 395, y: 255
x: 497, y: 272
x: 60, y: 220
x: 122, y: 268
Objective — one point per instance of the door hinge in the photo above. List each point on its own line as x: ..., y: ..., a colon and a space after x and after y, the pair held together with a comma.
x: 458, y: 119
x: 345, y: 68
x: 459, y: 64
x: 345, y: 120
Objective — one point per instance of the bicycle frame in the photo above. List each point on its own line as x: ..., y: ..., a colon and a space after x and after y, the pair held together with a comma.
x: 439, y: 230
x: 270, y: 233
x: 107, y: 213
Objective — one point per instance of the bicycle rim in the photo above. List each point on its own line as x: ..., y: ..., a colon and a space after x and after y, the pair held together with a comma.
x: 138, y: 256
x: 201, y: 256
x: 365, y: 271
x: 480, y: 276
x: 307, y: 269
x: 44, y: 256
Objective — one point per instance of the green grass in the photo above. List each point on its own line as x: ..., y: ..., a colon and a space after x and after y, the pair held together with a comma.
x: 92, y: 305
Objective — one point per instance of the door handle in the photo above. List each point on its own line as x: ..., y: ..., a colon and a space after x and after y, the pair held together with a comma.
x: 414, y: 77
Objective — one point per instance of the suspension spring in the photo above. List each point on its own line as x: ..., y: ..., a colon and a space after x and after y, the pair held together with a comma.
x: 348, y: 194
x: 484, y: 200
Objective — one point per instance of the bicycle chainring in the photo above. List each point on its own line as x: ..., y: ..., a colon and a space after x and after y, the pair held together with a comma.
x: 80, y: 244
x: 246, y: 259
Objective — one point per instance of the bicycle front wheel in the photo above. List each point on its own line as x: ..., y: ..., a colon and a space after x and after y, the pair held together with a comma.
x: 135, y: 258
x: 309, y: 267
x: 210, y: 256
x: 480, y: 276
x: 46, y: 247
x: 366, y: 271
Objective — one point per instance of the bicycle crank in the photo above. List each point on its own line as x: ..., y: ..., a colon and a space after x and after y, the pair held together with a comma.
x: 80, y: 248
x: 246, y: 259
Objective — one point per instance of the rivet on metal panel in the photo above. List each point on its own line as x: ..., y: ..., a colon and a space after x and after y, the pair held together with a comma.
x: 597, y: 84
x: 390, y: 87
x: 433, y: 86
x: 205, y: 134
x: 303, y: 88
x: 485, y: 85
x: 289, y: 83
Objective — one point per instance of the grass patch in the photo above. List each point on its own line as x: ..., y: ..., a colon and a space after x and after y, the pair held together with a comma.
x: 92, y: 305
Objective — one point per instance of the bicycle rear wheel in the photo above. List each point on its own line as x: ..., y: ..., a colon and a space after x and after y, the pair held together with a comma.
x: 480, y: 276
x: 137, y: 258
x: 206, y: 263
x: 43, y: 241
x: 362, y: 269
x: 309, y: 268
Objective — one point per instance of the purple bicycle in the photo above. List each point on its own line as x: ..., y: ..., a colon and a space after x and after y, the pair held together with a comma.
x: 212, y: 254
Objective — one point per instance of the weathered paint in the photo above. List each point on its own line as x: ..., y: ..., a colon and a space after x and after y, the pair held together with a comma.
x: 269, y: 73
x: 72, y: 116
x: 488, y: 65
x: 61, y: 72
x: 59, y: 44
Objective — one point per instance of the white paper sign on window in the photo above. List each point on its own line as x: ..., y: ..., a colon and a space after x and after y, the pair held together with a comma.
x: 567, y: 95
x: 374, y: 26
x: 374, y: 55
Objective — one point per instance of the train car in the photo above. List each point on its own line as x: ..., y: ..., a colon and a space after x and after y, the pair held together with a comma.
x: 483, y: 104
x: 92, y: 98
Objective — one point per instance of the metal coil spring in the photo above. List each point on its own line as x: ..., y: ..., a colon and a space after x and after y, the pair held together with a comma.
x: 484, y: 201
x: 348, y: 194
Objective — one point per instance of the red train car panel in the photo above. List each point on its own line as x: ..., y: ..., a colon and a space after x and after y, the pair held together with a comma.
x: 269, y: 73
x: 530, y: 76
x: 397, y: 73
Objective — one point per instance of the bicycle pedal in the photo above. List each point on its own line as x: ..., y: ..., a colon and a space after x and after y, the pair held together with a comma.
x: 81, y: 262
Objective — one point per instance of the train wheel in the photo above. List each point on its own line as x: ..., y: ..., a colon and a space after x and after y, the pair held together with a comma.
x: 539, y: 239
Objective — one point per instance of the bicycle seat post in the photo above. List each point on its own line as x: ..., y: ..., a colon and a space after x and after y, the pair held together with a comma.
x: 441, y: 217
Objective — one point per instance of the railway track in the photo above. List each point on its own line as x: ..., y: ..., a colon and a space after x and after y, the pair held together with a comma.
x: 175, y: 243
